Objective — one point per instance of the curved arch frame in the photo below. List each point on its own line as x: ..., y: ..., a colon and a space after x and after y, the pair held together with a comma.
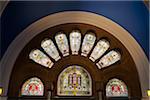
x: 114, y: 29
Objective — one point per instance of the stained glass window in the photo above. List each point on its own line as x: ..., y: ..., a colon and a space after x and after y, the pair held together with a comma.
x: 40, y: 58
x: 75, y: 41
x: 74, y: 81
x: 88, y: 42
x: 33, y: 87
x: 99, y: 49
x: 62, y: 43
x: 50, y: 49
x: 109, y: 59
x: 116, y: 88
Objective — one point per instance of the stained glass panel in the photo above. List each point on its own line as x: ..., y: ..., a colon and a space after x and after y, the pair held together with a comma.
x: 75, y: 41
x: 109, y: 59
x: 74, y: 81
x: 62, y: 43
x: 88, y: 42
x: 116, y: 88
x: 33, y: 87
x: 40, y: 58
x: 50, y: 49
x: 99, y: 49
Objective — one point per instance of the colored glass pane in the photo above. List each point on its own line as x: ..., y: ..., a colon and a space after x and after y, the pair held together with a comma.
x: 116, y: 88
x: 40, y: 58
x: 75, y: 41
x: 88, y: 42
x: 50, y: 49
x: 33, y: 87
x: 109, y: 59
x: 99, y: 49
x: 62, y: 43
x: 74, y: 81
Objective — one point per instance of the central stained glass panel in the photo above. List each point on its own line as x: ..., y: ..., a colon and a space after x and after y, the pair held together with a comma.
x: 74, y: 81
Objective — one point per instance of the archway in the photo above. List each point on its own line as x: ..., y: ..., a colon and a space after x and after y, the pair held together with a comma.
x: 72, y: 17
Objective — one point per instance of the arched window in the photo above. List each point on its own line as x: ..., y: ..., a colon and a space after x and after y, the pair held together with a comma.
x: 40, y: 58
x: 116, y: 88
x: 88, y: 43
x: 33, y: 87
x: 75, y: 41
x: 62, y: 43
x: 100, y: 48
x: 50, y: 49
x: 77, y: 47
x: 109, y: 59
x: 74, y: 81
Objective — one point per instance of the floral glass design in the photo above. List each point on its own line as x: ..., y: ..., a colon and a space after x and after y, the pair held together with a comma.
x: 74, y: 81
x: 62, y: 43
x: 109, y: 59
x: 116, y: 88
x: 99, y: 49
x: 32, y: 87
x: 98, y: 54
x: 40, y: 58
x: 50, y: 49
x: 75, y: 41
x: 88, y: 43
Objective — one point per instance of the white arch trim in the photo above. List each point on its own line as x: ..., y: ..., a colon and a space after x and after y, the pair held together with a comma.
x: 37, y: 27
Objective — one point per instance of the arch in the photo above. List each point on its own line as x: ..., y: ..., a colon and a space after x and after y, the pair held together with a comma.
x: 79, y: 82
x: 114, y: 29
x: 116, y: 88
x: 32, y: 87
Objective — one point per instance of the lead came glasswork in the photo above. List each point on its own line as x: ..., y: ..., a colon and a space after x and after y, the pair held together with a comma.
x: 74, y: 81
x: 50, y: 49
x: 88, y: 42
x: 99, y: 49
x: 62, y: 43
x: 40, y: 58
x: 109, y: 59
x: 75, y: 41
x: 116, y: 88
x: 32, y: 87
